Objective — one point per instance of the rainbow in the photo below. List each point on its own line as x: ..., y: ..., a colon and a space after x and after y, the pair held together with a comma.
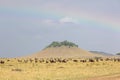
x: 96, y: 21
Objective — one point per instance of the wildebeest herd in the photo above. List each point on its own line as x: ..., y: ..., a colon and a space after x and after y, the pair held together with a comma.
x: 60, y: 60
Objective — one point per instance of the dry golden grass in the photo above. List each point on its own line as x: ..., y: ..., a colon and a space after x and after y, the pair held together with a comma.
x: 56, y: 71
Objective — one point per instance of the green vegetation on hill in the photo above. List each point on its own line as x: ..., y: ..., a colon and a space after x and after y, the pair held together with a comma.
x: 63, y: 43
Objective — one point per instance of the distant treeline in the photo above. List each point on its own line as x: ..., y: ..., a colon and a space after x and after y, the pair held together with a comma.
x: 63, y: 43
x: 118, y: 53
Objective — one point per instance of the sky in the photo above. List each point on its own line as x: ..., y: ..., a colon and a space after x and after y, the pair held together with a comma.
x: 28, y: 26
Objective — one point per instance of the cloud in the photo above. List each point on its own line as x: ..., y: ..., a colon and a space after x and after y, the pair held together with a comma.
x: 68, y: 20
x: 64, y: 20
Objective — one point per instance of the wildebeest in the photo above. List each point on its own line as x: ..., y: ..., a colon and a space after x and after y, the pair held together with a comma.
x: 31, y: 60
x: 47, y: 61
x: 8, y: 60
x: 116, y: 59
x: 64, y: 60
x: 83, y: 61
x: 2, y: 62
x: 19, y: 60
x: 60, y: 60
x: 91, y: 60
x: 52, y: 61
x: 41, y: 60
x: 75, y: 60
x: 25, y: 61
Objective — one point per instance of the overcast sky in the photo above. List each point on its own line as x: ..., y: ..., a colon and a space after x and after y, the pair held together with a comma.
x: 27, y: 26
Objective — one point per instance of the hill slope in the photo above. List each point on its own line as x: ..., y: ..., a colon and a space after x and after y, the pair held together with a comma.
x: 101, y: 53
x: 64, y: 52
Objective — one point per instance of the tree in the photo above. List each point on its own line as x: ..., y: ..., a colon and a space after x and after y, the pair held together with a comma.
x: 118, y: 53
x: 63, y: 43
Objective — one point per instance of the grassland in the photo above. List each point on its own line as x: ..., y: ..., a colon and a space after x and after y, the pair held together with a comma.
x: 14, y: 70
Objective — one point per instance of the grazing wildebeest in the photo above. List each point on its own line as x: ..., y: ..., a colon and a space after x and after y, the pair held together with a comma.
x: 83, y: 61
x: 25, y: 61
x: 52, y: 61
x: 41, y: 60
x: 107, y: 59
x: 8, y: 60
x: 47, y: 61
x: 59, y: 60
x: 75, y: 60
x: 19, y: 60
x: 2, y: 62
x: 36, y: 61
x: 64, y: 61
x: 91, y: 60
x: 118, y: 59
x: 31, y: 60
x: 101, y: 59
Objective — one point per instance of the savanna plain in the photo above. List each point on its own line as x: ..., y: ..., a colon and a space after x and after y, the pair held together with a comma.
x: 59, y: 69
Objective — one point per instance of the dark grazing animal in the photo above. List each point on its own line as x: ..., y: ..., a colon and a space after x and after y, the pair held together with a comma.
x: 75, y: 60
x: 91, y: 60
x: 19, y: 60
x: 2, y: 62
x: 83, y: 61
